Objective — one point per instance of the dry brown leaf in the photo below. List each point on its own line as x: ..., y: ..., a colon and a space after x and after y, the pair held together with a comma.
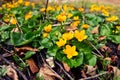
x: 101, y: 38
x: 91, y: 70
x: 103, y: 48
x: 12, y: 73
x: 83, y: 74
x: 25, y: 48
x: 15, y: 30
x: 32, y: 65
x: 118, y: 47
x: 48, y: 74
x: 109, y: 50
x: 116, y: 71
x: 50, y: 62
x: 66, y: 67
x: 68, y: 28
x: 107, y: 58
x: 95, y: 30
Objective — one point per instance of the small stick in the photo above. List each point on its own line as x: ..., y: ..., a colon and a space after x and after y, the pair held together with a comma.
x: 46, y: 8
x: 8, y: 62
x: 88, y: 78
x: 64, y: 71
x: 95, y: 48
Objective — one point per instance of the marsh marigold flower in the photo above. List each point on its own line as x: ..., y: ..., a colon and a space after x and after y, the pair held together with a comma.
x: 70, y: 51
x: 81, y: 9
x: 45, y: 35
x: 112, y: 18
x: 13, y: 21
x: 74, y: 24
x: 76, y: 18
x: 48, y: 28
x: 61, y: 42
x: 68, y: 36
x: 27, y: 3
x: 85, y: 26
x: 61, y: 18
x: 118, y: 27
x: 28, y: 15
x: 69, y: 15
x: 80, y: 35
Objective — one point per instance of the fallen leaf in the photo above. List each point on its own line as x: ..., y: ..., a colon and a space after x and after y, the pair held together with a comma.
x: 68, y: 28
x: 109, y: 50
x: 12, y: 73
x: 91, y: 70
x: 25, y: 48
x: 32, y: 65
x: 95, y: 30
x: 114, y: 58
x: 15, y: 30
x: 103, y: 48
x: 107, y: 58
x: 66, y: 67
x: 115, y: 70
x: 101, y: 38
x: 48, y: 74
x: 83, y: 74
x: 50, y: 62
x: 118, y: 47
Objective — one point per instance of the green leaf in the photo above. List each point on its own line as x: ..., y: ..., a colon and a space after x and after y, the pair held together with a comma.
x: 92, y: 60
x: 52, y: 51
x: 114, y: 38
x: 46, y: 43
x: 19, y: 39
x: 105, y: 30
x: 29, y: 54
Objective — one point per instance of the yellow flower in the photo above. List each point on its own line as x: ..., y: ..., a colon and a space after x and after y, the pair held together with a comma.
x: 68, y: 36
x: 112, y: 18
x: 33, y: 5
x: 65, y: 8
x: 27, y: 3
x: 85, y: 26
x: 28, y: 15
x: 20, y: 1
x: 13, y: 21
x: 7, y: 18
x: 61, y: 42
x: 45, y: 35
x: 81, y: 9
x: 61, y: 18
x: 0, y: 8
x: 80, y: 35
x: 4, y: 6
x: 49, y: 8
x: 42, y: 10
x: 48, y: 28
x: 76, y: 18
x: 70, y: 51
x: 58, y: 8
x: 118, y: 27
x: 105, y: 13
x: 69, y: 15
x: 94, y: 7
x: 74, y: 24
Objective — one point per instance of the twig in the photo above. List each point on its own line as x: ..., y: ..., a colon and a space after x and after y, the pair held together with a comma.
x: 46, y: 8
x: 95, y: 48
x: 88, y: 78
x: 62, y: 24
x: 24, y: 77
x: 96, y: 54
x: 50, y: 67
x: 64, y: 71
